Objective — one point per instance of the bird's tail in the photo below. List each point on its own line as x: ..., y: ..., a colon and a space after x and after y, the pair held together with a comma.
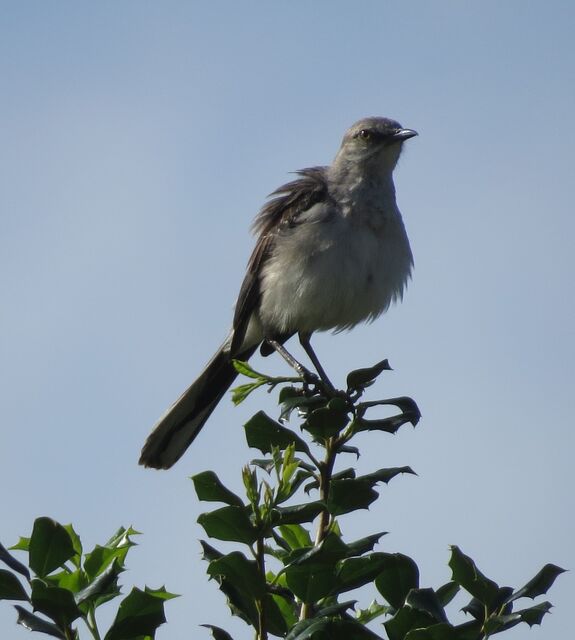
x: 177, y: 429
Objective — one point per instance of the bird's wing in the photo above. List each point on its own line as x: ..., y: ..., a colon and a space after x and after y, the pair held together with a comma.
x: 285, y: 210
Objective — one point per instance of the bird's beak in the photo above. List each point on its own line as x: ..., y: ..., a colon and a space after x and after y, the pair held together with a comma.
x: 404, y: 134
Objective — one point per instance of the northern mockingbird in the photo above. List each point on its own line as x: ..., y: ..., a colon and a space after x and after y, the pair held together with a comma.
x: 331, y: 252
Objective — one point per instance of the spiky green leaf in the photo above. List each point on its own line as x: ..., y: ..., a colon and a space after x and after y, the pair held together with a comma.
x: 209, y: 488
x: 50, y: 546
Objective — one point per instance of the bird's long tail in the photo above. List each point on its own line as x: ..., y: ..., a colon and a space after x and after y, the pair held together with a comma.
x: 177, y: 429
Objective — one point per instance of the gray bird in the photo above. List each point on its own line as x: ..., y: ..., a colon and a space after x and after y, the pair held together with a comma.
x: 332, y: 251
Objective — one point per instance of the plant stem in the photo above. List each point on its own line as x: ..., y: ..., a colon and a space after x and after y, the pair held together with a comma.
x: 325, y: 469
x: 92, y: 624
x: 262, y: 633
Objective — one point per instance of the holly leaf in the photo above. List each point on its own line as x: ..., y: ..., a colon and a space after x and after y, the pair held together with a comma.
x: 264, y: 434
x: 539, y: 584
x: 50, y: 546
x: 360, y: 378
x: 10, y: 587
x: 33, y: 622
x: 140, y: 614
x: 209, y: 488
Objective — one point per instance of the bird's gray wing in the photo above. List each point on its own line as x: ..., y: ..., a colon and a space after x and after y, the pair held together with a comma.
x: 286, y: 209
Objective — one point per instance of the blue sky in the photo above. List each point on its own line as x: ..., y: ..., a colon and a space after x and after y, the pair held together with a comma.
x: 139, y: 139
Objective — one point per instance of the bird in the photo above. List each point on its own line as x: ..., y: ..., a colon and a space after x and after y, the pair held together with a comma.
x: 331, y: 252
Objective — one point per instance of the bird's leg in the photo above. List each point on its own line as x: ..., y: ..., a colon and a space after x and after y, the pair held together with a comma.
x: 305, y: 342
x: 308, y: 376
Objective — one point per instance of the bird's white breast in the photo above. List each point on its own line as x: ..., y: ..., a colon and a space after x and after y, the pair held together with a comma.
x: 335, y: 273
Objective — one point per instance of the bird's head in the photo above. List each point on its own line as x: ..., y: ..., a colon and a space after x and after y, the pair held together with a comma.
x: 371, y: 147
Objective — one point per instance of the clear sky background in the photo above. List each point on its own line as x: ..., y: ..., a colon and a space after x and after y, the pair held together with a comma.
x: 138, y: 140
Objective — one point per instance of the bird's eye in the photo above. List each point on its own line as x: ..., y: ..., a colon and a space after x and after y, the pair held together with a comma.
x: 365, y: 135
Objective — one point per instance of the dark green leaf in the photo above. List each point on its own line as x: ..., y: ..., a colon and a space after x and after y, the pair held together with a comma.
x: 326, y: 422
x: 312, y: 581
x: 10, y: 587
x: 346, y: 473
x: 349, y: 449
x: 209, y: 553
x: 447, y: 592
x: 295, y: 536
x: 467, y: 575
x: 426, y: 600
x: 14, y: 564
x: 359, y: 547
x: 106, y: 584
x: 76, y: 543
x: 277, y: 623
x: 291, y: 398
x: 35, y: 623
x: 362, y: 377
x: 406, y: 405
x: 531, y: 616
x: 287, y: 608
x: 398, y: 576
x: 240, y: 603
x: 209, y: 489
x: 284, y: 548
x: 229, y: 523
x: 217, y: 632
x: 100, y: 558
x: 356, y: 572
x: 468, y: 631
x: 312, y: 574
x: 327, y: 628
x: 405, y: 620
x: 55, y: 602
x: 357, y: 493
x: 476, y: 609
x: 350, y: 494
x: 296, y: 514
x: 140, y: 614
x: 534, y: 615
x: 242, y: 573
x: 539, y: 584
x: 389, y: 425
x: 287, y: 393
x: 336, y: 609
x: 500, y: 604
x: 116, y: 548
x: 264, y: 434
x: 242, y: 583
x: 72, y: 581
x: 50, y: 546
x: 308, y: 629
x: 385, y: 475
x: 161, y: 594
x: 347, y: 628
x: 329, y: 551
x: 495, y: 624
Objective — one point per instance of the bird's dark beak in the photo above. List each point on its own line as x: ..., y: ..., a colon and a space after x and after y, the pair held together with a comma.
x: 404, y: 134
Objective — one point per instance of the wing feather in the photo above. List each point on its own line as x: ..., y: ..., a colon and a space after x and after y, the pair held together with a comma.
x: 286, y: 206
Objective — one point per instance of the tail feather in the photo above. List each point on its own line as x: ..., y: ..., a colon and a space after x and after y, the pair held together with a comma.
x: 180, y: 425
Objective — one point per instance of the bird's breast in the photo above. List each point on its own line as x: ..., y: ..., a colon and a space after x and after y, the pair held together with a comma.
x: 334, y: 274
